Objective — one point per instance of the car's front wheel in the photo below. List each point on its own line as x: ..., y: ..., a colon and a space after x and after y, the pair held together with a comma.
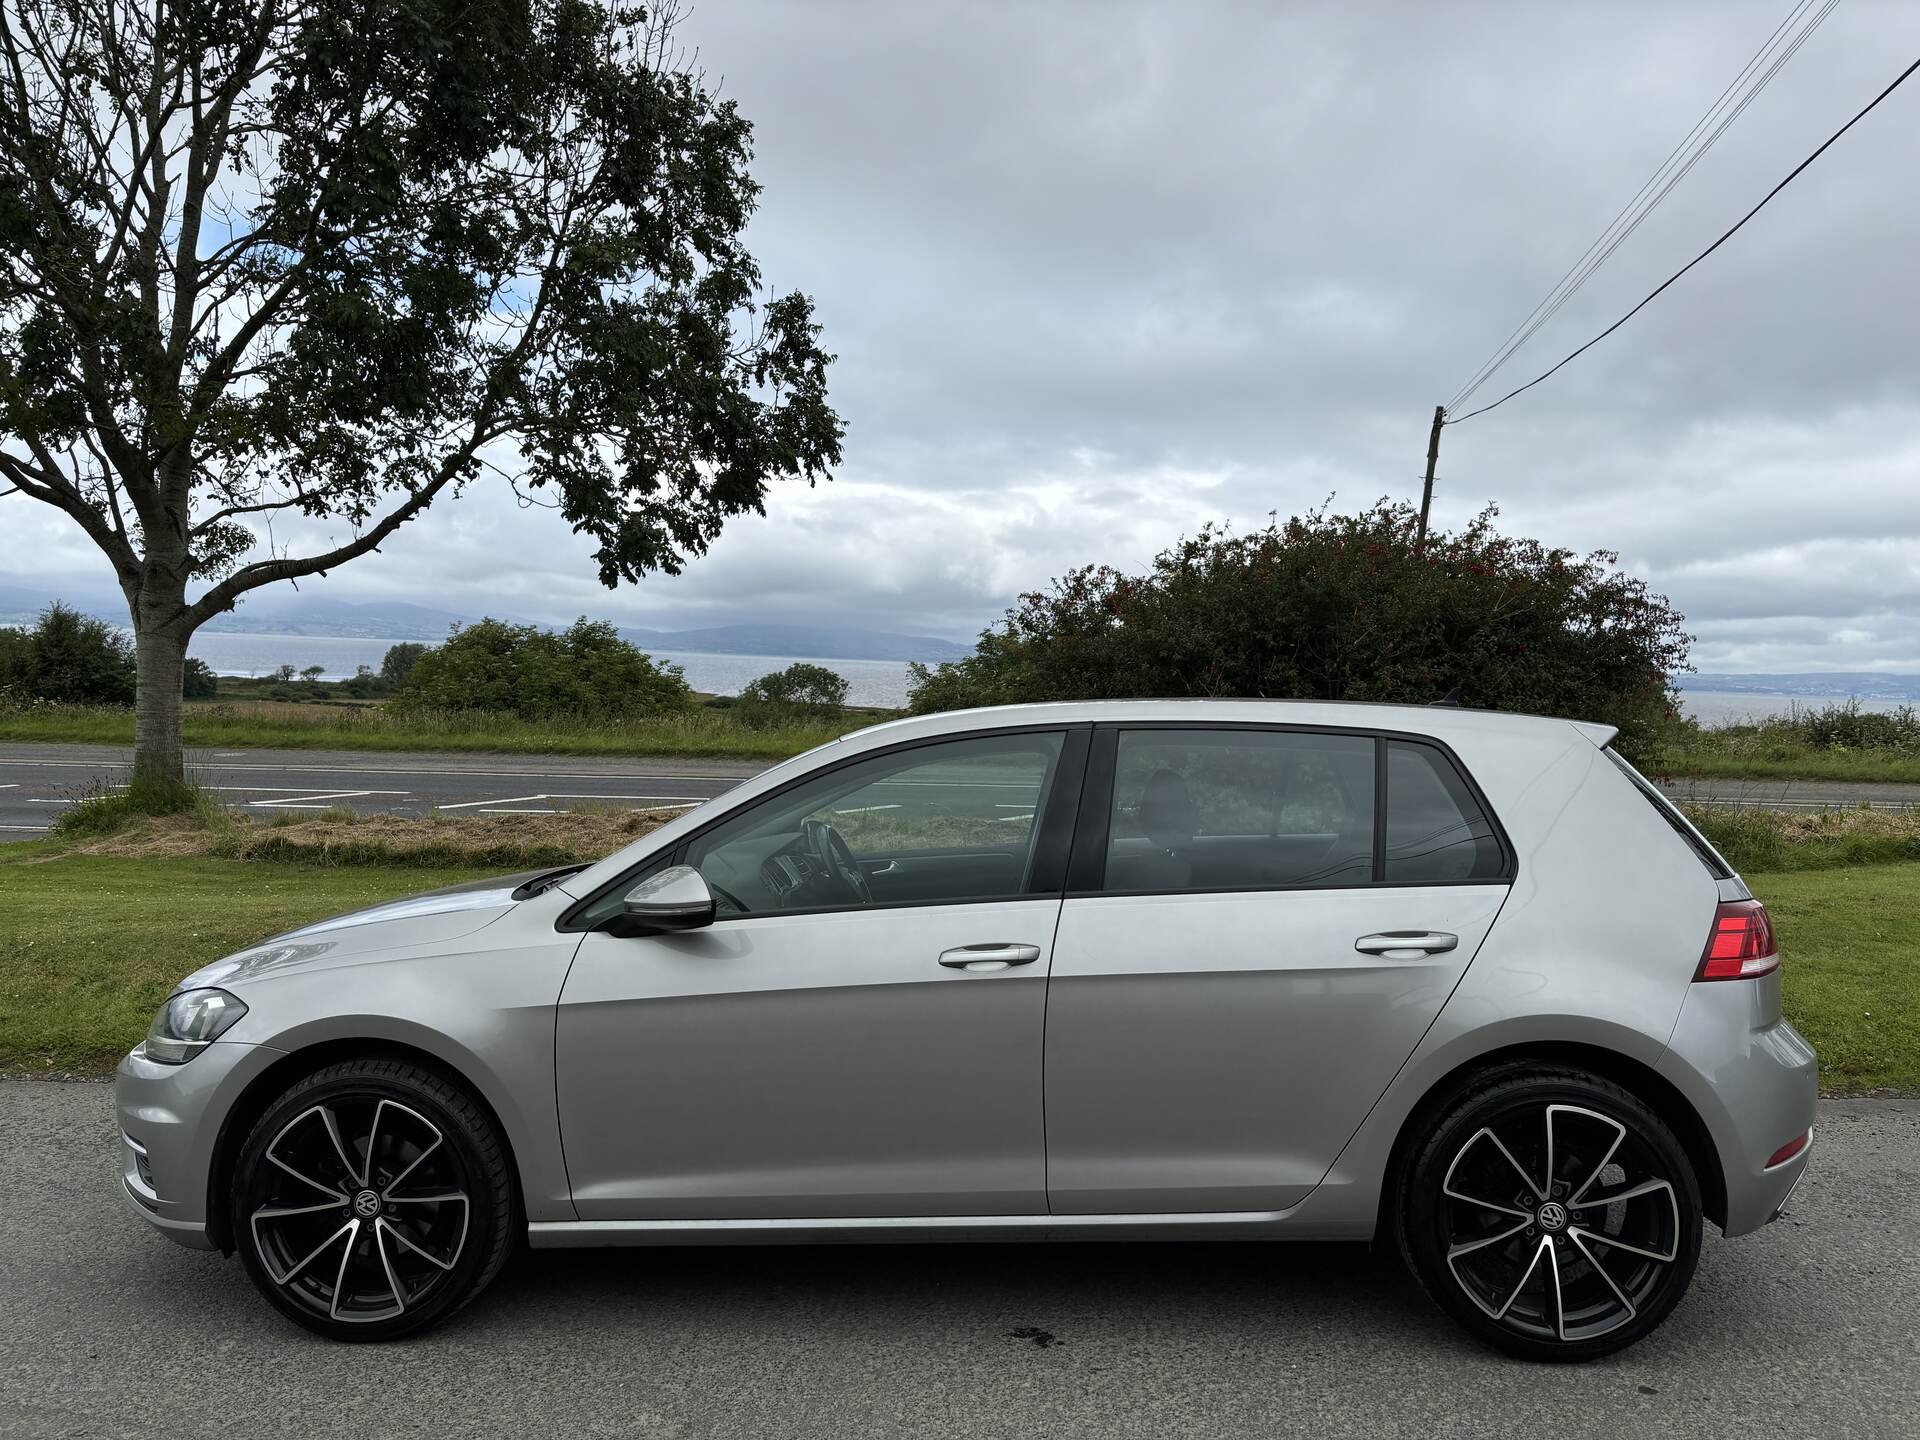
x: 1551, y: 1213
x: 372, y: 1200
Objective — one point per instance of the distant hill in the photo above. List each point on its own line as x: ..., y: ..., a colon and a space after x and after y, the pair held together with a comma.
x: 400, y: 620
x: 1816, y: 685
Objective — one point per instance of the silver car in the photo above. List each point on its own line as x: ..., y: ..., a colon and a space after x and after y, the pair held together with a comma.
x: 1458, y: 981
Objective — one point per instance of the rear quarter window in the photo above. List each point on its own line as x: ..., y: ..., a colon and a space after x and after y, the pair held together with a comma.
x: 1437, y: 832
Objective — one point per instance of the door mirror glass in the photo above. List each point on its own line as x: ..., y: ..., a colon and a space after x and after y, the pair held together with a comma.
x: 676, y: 898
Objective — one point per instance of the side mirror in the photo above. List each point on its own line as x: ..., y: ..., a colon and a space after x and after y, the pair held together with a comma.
x: 676, y: 898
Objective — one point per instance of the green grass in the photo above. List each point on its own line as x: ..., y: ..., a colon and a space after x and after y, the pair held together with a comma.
x: 1851, y: 980
x: 698, y: 731
x: 93, y: 943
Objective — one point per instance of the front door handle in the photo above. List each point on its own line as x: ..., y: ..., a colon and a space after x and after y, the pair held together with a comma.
x: 1406, y: 944
x: 985, y: 959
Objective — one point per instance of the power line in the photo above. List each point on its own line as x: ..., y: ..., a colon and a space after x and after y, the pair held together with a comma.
x: 1680, y: 161
x: 1655, y: 294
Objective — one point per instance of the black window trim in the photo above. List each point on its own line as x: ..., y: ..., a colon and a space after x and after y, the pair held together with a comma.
x: 1052, y: 833
x: 1088, y: 863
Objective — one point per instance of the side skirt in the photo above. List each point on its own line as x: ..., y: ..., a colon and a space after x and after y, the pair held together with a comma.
x: 918, y: 1229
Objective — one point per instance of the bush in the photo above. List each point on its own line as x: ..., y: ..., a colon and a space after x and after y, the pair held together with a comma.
x: 1848, y: 727
x: 586, y: 671
x: 799, y: 692
x: 67, y: 658
x: 1340, y: 607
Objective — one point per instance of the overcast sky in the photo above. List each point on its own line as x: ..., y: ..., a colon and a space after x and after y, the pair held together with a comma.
x: 1099, y: 273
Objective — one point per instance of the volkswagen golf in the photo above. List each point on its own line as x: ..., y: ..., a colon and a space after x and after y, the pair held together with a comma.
x: 1458, y: 982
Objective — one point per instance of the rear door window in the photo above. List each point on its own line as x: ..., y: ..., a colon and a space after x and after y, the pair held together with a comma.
x: 1240, y: 809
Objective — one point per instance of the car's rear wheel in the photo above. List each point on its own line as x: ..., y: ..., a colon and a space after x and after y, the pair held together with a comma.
x: 1551, y: 1213
x: 372, y: 1200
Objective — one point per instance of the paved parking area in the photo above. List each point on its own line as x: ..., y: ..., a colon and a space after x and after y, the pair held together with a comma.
x: 1811, y: 1328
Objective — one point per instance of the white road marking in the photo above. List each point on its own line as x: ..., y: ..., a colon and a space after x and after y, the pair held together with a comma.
x: 516, y: 812
x: 503, y: 800
x: 37, y: 829
x: 304, y: 792
x: 299, y: 802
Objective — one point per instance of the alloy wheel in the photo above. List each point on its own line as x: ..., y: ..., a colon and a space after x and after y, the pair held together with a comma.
x: 359, y: 1211
x: 1562, y: 1224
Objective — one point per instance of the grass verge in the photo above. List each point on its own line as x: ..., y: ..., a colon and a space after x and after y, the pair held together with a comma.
x: 93, y: 943
x: 1850, y: 981
x: 696, y: 732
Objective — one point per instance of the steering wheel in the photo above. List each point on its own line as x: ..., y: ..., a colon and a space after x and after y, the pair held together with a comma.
x: 831, y: 848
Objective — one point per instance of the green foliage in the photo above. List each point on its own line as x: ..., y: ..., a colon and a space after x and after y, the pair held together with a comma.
x: 364, y: 684
x: 586, y: 670
x: 67, y: 658
x: 197, y: 681
x: 799, y: 692
x: 397, y: 664
x: 1340, y: 607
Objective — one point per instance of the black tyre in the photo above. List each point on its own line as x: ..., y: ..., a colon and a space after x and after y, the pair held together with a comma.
x: 1552, y: 1214
x: 372, y: 1200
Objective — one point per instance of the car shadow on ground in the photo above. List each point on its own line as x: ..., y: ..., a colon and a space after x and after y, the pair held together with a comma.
x: 1046, y: 1294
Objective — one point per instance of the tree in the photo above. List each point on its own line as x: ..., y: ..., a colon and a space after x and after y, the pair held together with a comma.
x: 1340, y: 607
x: 328, y: 262
x: 197, y: 680
x: 799, y: 691
x: 68, y: 658
x: 282, y: 673
x: 397, y: 664
x: 585, y: 671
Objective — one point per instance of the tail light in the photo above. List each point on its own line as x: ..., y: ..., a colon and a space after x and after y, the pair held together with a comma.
x: 1741, y: 945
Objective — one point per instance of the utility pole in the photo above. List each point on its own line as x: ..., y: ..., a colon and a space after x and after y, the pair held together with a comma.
x: 1426, y: 493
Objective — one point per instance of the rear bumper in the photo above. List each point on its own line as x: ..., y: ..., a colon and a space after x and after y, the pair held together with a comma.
x: 1755, y: 1082
x: 170, y: 1119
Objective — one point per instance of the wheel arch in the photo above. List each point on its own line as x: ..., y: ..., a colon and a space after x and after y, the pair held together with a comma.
x: 274, y: 1081
x: 1659, y: 1093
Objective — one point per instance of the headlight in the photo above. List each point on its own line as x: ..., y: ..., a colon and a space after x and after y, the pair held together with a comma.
x: 189, y: 1022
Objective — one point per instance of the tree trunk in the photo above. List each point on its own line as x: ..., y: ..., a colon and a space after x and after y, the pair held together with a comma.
x: 160, y: 653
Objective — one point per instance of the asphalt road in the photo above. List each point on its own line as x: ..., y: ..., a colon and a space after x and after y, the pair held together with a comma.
x: 38, y: 781
x: 1811, y: 1327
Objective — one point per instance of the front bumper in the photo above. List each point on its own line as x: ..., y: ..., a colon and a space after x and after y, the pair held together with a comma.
x: 1755, y: 1082
x: 170, y: 1123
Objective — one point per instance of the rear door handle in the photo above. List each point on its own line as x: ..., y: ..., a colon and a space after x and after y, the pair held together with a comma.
x: 985, y: 959
x: 1406, y: 944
